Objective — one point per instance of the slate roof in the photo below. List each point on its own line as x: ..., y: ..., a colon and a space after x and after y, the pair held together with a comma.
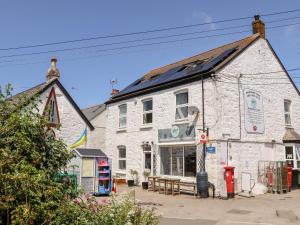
x: 93, y: 111
x: 291, y: 136
x: 186, y: 69
x: 32, y: 92
x: 90, y: 152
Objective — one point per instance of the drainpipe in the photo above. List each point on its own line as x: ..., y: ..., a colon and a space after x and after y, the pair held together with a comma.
x: 202, y: 176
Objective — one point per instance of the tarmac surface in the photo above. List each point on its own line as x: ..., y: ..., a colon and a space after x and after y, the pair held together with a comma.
x: 268, y: 209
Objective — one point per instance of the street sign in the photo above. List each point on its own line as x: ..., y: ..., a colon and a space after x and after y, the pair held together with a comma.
x: 211, y: 150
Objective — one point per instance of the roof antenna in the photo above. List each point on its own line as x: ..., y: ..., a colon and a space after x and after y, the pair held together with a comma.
x: 113, y: 82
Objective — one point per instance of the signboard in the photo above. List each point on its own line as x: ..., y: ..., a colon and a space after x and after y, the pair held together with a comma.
x: 203, y: 138
x: 51, y: 110
x: 254, y: 112
x: 177, y: 133
x: 211, y: 150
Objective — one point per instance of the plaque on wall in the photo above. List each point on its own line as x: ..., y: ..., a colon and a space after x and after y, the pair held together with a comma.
x: 177, y: 133
x: 254, y: 112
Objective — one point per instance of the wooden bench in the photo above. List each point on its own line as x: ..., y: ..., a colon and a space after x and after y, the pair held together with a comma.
x: 188, y: 187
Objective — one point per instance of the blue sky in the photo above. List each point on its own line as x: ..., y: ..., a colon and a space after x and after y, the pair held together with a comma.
x: 86, y: 74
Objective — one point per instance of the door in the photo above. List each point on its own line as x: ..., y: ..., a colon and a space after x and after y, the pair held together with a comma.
x: 147, y: 160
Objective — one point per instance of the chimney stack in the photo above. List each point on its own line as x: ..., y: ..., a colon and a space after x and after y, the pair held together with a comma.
x: 53, y: 72
x: 258, y: 26
x: 114, y: 91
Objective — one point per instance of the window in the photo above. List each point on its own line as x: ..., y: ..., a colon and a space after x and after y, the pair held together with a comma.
x: 292, y: 155
x: 122, y: 116
x: 122, y: 157
x: 181, y: 106
x: 287, y: 112
x: 147, y: 111
x: 178, y: 161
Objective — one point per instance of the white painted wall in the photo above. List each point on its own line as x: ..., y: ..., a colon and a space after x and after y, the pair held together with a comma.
x: 221, y: 115
x: 72, y: 125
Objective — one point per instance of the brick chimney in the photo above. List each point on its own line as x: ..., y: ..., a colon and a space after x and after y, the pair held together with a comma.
x: 258, y: 26
x: 53, y: 72
x: 114, y: 91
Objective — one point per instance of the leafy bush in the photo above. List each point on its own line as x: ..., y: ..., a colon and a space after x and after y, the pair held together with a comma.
x: 29, y: 160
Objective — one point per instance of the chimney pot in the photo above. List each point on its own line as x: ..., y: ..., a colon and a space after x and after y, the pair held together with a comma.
x: 53, y: 72
x: 258, y: 26
x: 114, y: 91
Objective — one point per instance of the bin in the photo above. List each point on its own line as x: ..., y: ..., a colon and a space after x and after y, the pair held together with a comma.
x: 295, y: 179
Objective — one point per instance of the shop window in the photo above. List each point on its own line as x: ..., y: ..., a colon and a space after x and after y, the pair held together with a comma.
x: 182, y: 101
x: 122, y: 157
x: 287, y: 112
x: 147, y: 111
x: 297, y: 150
x: 178, y: 161
x: 122, y: 116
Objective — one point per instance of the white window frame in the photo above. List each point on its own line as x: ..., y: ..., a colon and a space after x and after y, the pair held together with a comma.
x: 287, y: 113
x: 122, y: 158
x: 147, y: 112
x: 121, y: 116
x: 182, y: 105
x: 296, y: 155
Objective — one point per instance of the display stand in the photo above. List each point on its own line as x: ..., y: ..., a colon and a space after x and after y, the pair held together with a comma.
x: 103, y: 176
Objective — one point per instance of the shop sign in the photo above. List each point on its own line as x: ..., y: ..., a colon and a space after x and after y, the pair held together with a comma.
x: 211, y: 150
x: 254, y: 112
x: 177, y: 133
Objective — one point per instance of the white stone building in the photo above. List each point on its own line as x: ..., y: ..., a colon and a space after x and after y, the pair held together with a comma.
x: 251, y: 107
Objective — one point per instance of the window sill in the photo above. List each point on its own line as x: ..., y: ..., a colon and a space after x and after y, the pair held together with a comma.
x: 288, y: 126
x: 181, y: 121
x: 146, y: 126
x: 121, y: 172
x: 121, y: 130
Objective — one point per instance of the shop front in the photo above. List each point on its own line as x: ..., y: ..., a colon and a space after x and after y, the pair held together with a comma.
x: 177, y: 151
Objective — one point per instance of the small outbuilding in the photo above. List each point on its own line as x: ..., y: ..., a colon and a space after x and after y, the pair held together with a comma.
x: 92, y: 168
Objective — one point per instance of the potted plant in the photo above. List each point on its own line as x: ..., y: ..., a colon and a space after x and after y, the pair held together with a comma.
x: 134, y: 175
x: 146, y: 174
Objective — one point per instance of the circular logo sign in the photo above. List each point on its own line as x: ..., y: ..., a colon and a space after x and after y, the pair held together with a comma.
x: 175, y: 131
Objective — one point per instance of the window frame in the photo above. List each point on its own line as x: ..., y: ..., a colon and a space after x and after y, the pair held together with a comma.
x: 287, y: 112
x: 121, y: 116
x: 182, y: 105
x: 147, y: 112
x: 122, y: 158
x: 170, y: 149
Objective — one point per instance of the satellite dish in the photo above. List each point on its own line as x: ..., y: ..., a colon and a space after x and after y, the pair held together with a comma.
x: 192, y: 110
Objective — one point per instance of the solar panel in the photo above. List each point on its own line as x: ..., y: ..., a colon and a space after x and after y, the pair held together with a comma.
x: 176, y: 73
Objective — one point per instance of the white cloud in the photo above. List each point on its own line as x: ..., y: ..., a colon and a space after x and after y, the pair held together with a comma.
x: 204, y: 17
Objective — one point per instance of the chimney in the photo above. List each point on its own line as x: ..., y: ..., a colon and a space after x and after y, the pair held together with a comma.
x: 53, y: 72
x: 258, y: 26
x: 114, y: 91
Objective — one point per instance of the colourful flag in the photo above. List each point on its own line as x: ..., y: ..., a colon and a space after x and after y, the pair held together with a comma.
x: 81, y: 140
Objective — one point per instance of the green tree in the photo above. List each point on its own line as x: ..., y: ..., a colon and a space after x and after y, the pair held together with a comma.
x: 29, y: 158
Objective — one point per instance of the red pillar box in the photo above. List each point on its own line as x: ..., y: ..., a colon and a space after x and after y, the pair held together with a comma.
x: 289, y: 177
x: 229, y: 178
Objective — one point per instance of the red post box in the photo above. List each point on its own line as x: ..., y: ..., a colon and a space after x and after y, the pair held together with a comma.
x: 289, y: 177
x: 229, y: 178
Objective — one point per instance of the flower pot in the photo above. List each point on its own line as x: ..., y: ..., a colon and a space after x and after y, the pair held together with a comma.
x: 130, y: 183
x: 145, y: 185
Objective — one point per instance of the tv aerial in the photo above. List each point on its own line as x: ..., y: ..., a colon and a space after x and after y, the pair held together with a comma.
x: 113, y: 82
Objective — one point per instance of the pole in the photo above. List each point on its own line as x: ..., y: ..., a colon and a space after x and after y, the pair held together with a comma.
x: 203, y: 128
